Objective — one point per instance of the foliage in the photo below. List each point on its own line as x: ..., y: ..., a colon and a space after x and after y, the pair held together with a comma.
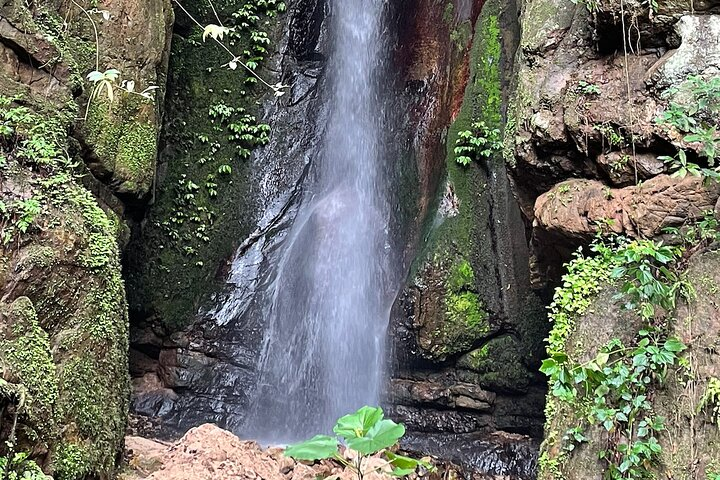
x: 588, y: 88
x: 612, y: 389
x: 365, y: 432
x: 16, y: 218
x: 694, y: 113
x: 703, y: 231
x: 710, y: 401
x: 19, y: 467
x: 480, y: 142
x: 582, y: 281
x: 248, y: 17
x: 647, y: 279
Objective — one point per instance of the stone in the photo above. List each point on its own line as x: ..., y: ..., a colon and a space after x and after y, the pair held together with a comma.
x: 208, y: 452
x: 698, y: 53
x: 577, y: 209
x: 691, y: 440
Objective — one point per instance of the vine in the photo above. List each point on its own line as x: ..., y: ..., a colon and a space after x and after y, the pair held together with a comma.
x: 612, y: 389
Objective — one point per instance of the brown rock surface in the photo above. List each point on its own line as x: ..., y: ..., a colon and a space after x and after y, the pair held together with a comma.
x: 208, y: 452
x: 577, y: 208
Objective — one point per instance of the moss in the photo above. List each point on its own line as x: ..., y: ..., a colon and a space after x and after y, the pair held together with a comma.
x: 191, y: 234
x: 459, y: 246
x: 25, y: 355
x: 464, y: 319
x: 78, y: 295
x: 124, y: 140
x: 461, y: 276
x: 499, y: 365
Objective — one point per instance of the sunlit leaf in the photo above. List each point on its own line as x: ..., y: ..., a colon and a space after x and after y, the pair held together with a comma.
x: 317, y: 448
x: 358, y: 424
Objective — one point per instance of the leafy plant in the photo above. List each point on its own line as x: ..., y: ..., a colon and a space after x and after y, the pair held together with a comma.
x: 710, y: 401
x: 694, y: 112
x: 680, y: 166
x: 612, y: 388
x: 587, y: 88
x: 648, y: 282
x: 217, y: 33
x: 615, y: 386
x: 480, y: 142
x: 365, y: 432
x: 18, y: 466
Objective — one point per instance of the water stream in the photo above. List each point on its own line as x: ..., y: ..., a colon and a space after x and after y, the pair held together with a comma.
x: 327, y: 308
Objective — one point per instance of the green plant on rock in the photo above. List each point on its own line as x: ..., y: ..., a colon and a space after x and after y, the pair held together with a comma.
x: 612, y: 389
x: 710, y: 401
x: 480, y: 142
x: 247, y: 15
x: 18, y: 466
x: 680, y: 167
x: 694, y: 113
x: 697, y: 233
x: 587, y: 88
x: 366, y: 433
x: 648, y: 280
x: 584, y: 279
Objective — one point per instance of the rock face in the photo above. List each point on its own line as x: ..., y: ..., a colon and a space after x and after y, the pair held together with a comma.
x: 588, y: 145
x: 691, y: 438
x: 63, y: 314
x: 585, y: 106
x: 467, y: 320
x: 197, y: 352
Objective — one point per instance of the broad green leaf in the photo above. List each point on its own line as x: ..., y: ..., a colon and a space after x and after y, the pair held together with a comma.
x: 402, y: 472
x: 673, y: 344
x: 317, y: 448
x: 358, y: 424
x: 406, y: 463
x: 602, y: 358
x: 383, y: 434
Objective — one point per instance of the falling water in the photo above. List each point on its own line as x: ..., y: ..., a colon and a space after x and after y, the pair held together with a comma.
x: 329, y: 304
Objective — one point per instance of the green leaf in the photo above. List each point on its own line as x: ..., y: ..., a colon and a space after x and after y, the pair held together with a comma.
x: 674, y: 344
x: 383, y: 434
x: 602, y: 358
x: 401, y: 461
x: 317, y: 448
x: 358, y: 424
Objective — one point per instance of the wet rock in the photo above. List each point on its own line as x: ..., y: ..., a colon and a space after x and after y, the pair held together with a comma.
x: 500, y: 455
x: 459, y: 395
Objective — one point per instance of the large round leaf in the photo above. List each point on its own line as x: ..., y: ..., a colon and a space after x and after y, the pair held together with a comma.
x: 383, y: 434
x: 317, y: 448
x: 358, y: 424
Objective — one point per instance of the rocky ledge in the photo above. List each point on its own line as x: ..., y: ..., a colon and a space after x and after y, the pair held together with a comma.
x: 208, y: 452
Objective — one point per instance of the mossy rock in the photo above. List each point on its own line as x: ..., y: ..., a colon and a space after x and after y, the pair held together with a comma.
x: 691, y: 439
x: 123, y: 137
x: 63, y: 319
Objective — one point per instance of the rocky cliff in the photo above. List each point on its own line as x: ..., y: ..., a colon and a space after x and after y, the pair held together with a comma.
x: 70, y: 169
x: 611, y: 131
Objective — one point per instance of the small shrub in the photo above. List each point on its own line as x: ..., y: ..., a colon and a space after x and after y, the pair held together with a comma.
x: 365, y: 432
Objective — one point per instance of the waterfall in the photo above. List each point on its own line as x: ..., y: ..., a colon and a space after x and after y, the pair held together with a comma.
x: 328, y: 306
